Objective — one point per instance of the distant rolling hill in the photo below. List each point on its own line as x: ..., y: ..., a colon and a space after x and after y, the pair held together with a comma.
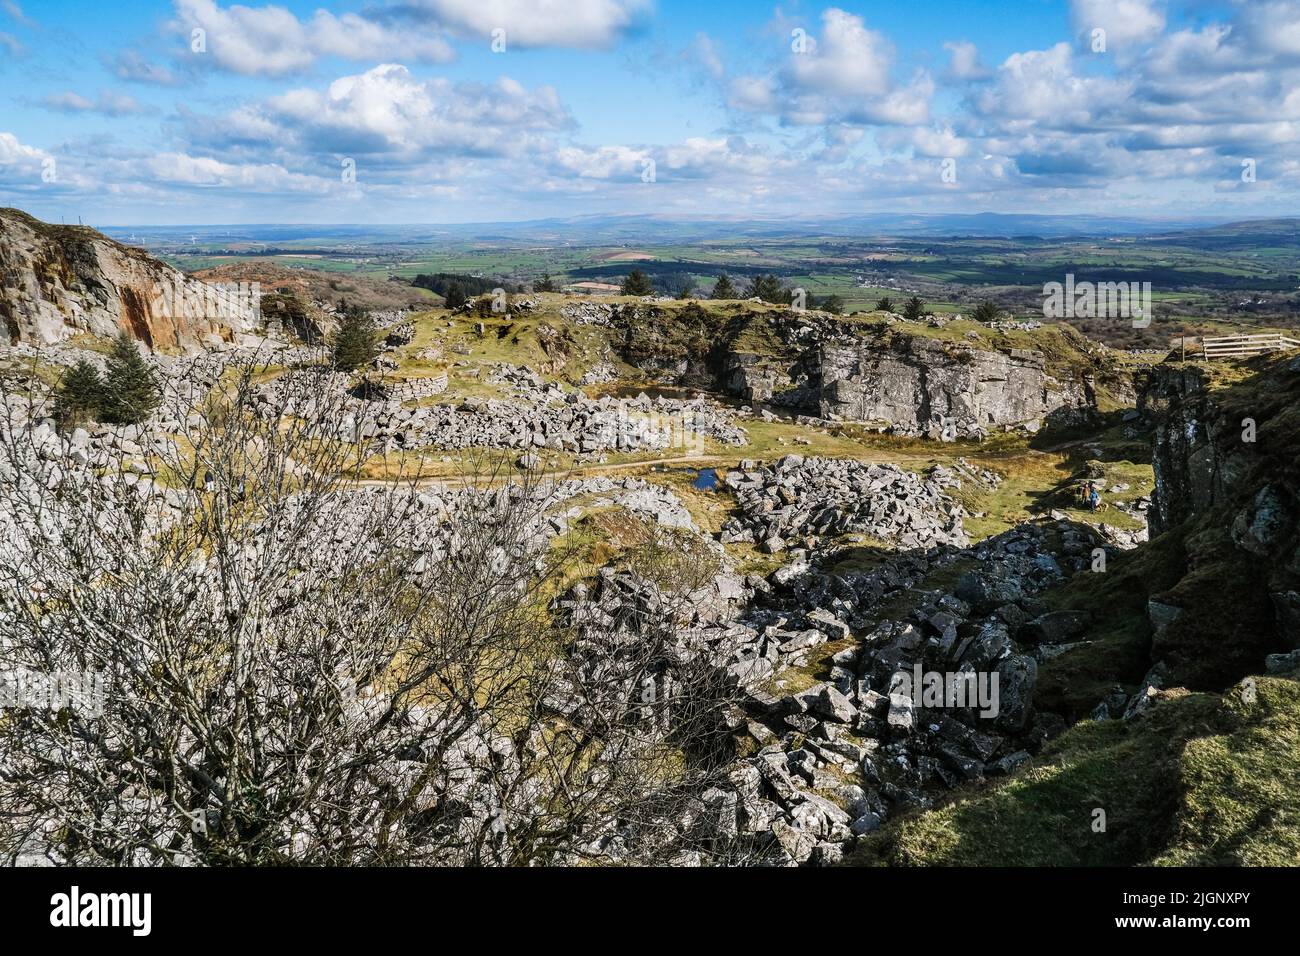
x: 593, y: 230
x: 1250, y: 234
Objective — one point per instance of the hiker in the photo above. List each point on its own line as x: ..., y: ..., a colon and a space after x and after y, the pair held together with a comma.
x: 1085, y: 494
x: 1094, y: 499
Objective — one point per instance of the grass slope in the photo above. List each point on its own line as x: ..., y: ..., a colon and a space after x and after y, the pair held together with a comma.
x: 1201, y: 779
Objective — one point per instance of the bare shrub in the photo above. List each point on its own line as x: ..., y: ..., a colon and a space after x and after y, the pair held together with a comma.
x: 299, y: 668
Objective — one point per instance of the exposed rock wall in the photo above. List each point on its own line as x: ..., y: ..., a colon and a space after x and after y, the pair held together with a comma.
x: 916, y: 384
x: 57, y: 281
x: 768, y: 381
x: 1227, y: 488
x: 923, y: 385
x: 1197, y: 453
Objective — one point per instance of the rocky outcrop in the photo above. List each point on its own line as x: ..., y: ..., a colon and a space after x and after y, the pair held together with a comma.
x: 57, y: 281
x: 893, y: 373
x: 767, y: 381
x: 941, y: 389
x: 901, y: 747
x: 1197, y: 453
x: 1228, y: 490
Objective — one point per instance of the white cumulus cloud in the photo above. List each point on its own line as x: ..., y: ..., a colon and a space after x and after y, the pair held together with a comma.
x: 539, y: 23
x: 848, y: 60
x: 1125, y: 21
x: 387, y: 112
x: 964, y: 61
x: 272, y: 41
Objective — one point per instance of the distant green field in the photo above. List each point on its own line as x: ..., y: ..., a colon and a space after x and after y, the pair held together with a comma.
x: 828, y: 265
x: 1195, y: 281
x: 194, y: 263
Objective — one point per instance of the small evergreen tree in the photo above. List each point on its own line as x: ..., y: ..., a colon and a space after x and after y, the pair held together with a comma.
x: 544, y: 284
x: 914, y: 309
x: 724, y: 288
x: 834, y: 305
x: 81, y: 395
x: 987, y: 312
x: 687, y: 288
x: 130, y: 390
x: 768, y: 288
x: 637, y: 283
x: 356, y: 340
x: 886, y: 304
x: 455, y: 296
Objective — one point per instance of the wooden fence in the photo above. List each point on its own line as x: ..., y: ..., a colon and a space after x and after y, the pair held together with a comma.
x: 1236, y: 346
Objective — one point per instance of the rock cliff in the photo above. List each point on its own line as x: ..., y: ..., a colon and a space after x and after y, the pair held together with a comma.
x: 926, y: 386
x: 1227, y: 501
x: 1197, y: 453
x: 914, y: 383
x: 57, y: 281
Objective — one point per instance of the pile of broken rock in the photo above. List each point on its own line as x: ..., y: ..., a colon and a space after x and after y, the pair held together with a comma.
x: 798, y: 499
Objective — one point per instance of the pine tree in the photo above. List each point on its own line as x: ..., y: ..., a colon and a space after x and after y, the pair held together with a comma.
x: 769, y: 289
x: 130, y: 390
x: 455, y: 296
x: 356, y: 341
x: 987, y: 312
x: 886, y: 304
x: 81, y: 395
x: 687, y: 288
x: 723, y: 288
x: 834, y: 305
x: 637, y: 283
x: 914, y: 309
x: 544, y: 284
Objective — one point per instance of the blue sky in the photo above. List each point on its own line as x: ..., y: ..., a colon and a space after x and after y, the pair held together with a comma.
x: 391, y: 111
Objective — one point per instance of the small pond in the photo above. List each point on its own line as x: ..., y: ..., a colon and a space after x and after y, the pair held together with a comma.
x: 703, y: 479
x: 706, y: 479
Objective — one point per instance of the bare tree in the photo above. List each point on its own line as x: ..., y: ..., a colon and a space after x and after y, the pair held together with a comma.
x: 297, y: 668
